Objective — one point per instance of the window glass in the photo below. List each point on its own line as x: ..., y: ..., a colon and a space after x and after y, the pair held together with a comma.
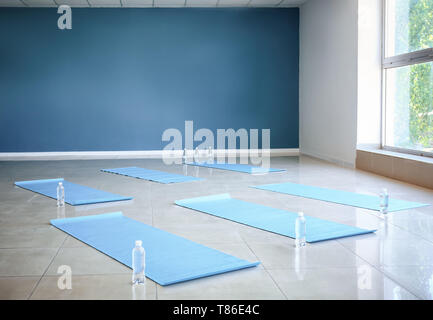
x: 409, y: 107
x: 409, y: 26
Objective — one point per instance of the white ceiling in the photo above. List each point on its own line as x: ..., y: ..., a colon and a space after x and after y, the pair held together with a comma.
x: 152, y: 3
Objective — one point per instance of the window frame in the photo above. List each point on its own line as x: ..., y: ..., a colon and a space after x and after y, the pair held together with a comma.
x: 398, y: 61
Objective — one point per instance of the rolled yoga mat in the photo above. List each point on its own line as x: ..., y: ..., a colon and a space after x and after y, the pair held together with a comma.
x: 75, y: 194
x: 151, y: 175
x: 270, y: 219
x: 169, y: 258
x: 235, y: 167
x: 341, y: 197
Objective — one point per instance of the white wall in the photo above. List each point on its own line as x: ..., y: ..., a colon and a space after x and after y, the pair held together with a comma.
x: 369, y: 72
x: 328, y: 79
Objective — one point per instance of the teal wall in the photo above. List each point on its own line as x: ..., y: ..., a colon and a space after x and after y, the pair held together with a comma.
x: 120, y: 77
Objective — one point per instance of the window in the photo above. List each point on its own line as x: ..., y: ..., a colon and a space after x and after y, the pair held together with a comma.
x: 408, y: 76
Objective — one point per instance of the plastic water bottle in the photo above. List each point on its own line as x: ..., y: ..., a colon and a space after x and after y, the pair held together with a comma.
x: 138, y: 263
x: 384, y: 201
x: 210, y: 155
x: 300, y: 230
x: 60, y: 195
x: 184, y: 156
x: 197, y: 155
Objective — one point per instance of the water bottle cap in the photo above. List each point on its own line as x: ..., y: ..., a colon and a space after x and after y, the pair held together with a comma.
x: 138, y: 243
x: 300, y: 214
x: 60, y: 183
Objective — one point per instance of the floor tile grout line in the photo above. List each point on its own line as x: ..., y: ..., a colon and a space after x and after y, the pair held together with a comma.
x: 46, y: 269
x: 383, y: 273
x: 381, y: 219
x: 90, y: 274
x: 391, y: 277
x: 412, y: 233
x: 24, y: 248
x: 273, y: 280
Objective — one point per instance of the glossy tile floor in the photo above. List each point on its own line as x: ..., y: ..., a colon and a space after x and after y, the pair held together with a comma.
x: 396, y: 262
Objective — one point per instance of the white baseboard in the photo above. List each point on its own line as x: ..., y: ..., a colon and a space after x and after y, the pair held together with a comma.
x: 327, y: 158
x: 148, y: 154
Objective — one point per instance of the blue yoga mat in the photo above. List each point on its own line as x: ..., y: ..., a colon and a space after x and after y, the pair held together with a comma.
x: 269, y: 219
x: 152, y: 175
x: 75, y: 194
x: 235, y: 167
x: 169, y: 258
x: 341, y: 197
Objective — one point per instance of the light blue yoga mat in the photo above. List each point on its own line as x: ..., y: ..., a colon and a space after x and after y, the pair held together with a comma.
x: 169, y: 258
x: 75, y: 194
x: 341, y: 197
x: 269, y: 219
x: 152, y: 175
x: 235, y: 167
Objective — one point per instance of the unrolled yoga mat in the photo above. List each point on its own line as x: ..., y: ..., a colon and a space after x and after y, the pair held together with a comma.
x: 152, y: 175
x: 235, y: 167
x: 341, y: 197
x: 269, y: 219
x: 169, y: 258
x: 75, y: 194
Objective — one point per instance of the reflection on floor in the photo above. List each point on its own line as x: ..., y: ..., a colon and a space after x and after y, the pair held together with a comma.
x: 394, y: 263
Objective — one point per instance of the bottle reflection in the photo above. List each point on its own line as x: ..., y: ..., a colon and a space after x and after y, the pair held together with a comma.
x: 184, y: 156
x: 397, y: 293
x: 384, y: 201
x: 197, y: 155
x: 384, y: 225
x: 196, y: 171
x: 139, y: 291
x: 61, y: 212
x: 210, y: 171
x: 384, y: 242
x: 300, y: 262
x: 210, y: 155
x: 431, y: 286
x: 185, y: 170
